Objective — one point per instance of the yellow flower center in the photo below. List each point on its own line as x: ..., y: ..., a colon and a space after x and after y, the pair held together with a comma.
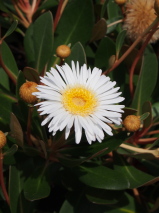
x: 79, y: 101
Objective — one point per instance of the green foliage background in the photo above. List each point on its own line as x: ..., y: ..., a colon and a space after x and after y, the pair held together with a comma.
x: 70, y: 178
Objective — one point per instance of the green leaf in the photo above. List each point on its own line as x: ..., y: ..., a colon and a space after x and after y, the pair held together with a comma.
x: 110, y: 24
x: 147, y: 108
x: 77, y: 54
x: 88, y: 152
x: 38, y: 41
x: 7, y: 60
x: 144, y: 116
x: 11, y: 150
x: 103, y: 197
x: 147, y: 79
x: 105, y: 50
x: 119, y: 42
x: 11, y: 29
x: 3, y: 7
x: 134, y: 177
x: 102, y: 177
x: 45, y: 5
x: 36, y: 186
x: 75, y: 25
x: 18, y: 204
x: 104, y: 8
x: 4, y: 80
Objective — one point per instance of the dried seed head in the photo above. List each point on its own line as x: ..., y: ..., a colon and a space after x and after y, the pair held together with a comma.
x: 156, y: 7
x: 26, y: 91
x: 3, y: 140
x: 120, y: 2
x: 63, y: 51
x: 139, y: 16
x: 132, y: 123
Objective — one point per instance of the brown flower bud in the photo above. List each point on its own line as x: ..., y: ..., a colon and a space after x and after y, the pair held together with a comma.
x: 156, y: 7
x: 3, y: 140
x: 120, y: 2
x: 63, y: 51
x: 112, y: 60
x: 26, y: 91
x: 132, y: 123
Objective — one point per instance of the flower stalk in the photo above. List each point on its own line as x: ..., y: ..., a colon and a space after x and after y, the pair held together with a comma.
x: 2, y: 183
x: 137, y: 41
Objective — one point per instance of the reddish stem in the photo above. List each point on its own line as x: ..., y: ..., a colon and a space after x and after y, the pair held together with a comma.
x: 146, y: 140
x: 11, y: 75
x: 139, y: 55
x: 2, y: 184
x: 58, y: 14
x: 153, y: 132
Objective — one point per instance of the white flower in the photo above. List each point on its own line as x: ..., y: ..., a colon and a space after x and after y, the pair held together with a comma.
x: 80, y: 97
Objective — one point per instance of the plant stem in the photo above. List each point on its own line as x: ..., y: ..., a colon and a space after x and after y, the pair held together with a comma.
x: 140, y: 150
x: 29, y: 126
x: 140, y: 38
x: 11, y: 75
x: 115, y: 22
x: 139, y: 55
x: 2, y: 184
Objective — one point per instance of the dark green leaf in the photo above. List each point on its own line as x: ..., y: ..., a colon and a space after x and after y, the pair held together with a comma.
x: 103, y: 197
x: 47, y: 5
x: 147, y: 108
x: 102, y: 177
x: 37, y: 187
x: 145, y: 86
x: 134, y: 177
x: 4, y: 80
x: 7, y: 60
x: 105, y: 50
x: 11, y: 29
x: 18, y: 204
x: 104, y: 8
x: 11, y: 150
x: 77, y: 54
x: 119, y: 42
x: 75, y: 25
x: 38, y: 41
x: 144, y: 116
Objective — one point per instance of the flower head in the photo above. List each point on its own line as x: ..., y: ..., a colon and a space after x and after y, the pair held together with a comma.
x: 132, y: 123
x: 139, y: 15
x: 80, y: 97
x: 26, y: 91
x: 63, y: 51
x: 3, y: 140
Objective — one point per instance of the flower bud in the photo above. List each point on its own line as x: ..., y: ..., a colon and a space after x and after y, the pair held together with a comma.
x: 132, y: 123
x: 120, y: 2
x: 3, y: 140
x: 26, y: 91
x: 156, y: 7
x: 112, y: 60
x: 63, y: 51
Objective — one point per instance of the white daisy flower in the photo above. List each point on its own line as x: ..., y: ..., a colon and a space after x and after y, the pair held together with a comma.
x: 80, y: 97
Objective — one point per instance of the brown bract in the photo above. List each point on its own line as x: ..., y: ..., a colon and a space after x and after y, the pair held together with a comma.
x: 26, y: 91
x: 132, y: 123
x: 3, y: 140
x: 63, y: 51
x: 156, y: 7
x: 120, y: 2
x: 139, y: 16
